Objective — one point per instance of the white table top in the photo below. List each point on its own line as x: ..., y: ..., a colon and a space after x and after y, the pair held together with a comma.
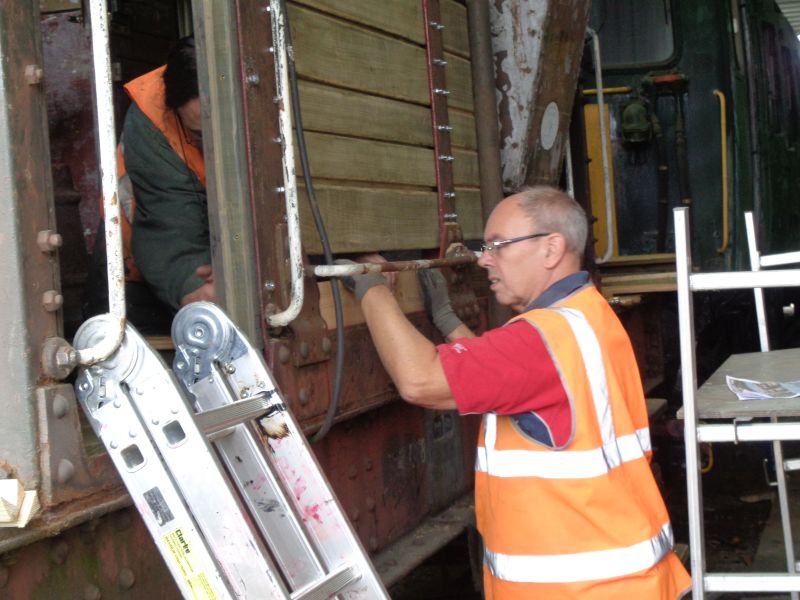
x: 716, y: 401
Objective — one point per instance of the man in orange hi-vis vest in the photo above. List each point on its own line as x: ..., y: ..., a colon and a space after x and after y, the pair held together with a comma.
x: 162, y: 189
x: 564, y: 496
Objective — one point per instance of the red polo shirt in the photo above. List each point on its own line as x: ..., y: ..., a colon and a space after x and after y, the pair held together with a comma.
x: 509, y: 371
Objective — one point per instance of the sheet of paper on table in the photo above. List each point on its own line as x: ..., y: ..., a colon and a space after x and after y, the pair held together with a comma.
x: 747, y: 389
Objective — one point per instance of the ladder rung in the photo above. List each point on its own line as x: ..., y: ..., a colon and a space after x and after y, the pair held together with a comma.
x: 218, y: 419
x: 329, y: 585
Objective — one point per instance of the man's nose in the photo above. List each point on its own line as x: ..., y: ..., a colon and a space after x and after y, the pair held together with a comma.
x: 484, y: 259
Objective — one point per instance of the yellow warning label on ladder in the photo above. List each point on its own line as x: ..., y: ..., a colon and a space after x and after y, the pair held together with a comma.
x: 187, y: 563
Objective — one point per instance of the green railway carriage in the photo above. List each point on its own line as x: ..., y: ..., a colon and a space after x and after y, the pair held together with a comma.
x: 702, y: 99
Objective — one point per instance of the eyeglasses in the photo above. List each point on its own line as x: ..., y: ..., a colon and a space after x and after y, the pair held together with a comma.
x: 491, y: 247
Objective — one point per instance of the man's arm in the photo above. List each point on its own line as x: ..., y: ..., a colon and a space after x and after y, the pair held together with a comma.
x: 409, y: 357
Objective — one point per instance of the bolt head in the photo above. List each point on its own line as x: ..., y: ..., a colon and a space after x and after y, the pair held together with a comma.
x: 303, y: 396
x: 66, y: 357
x: 125, y: 579
x: 60, y: 406
x: 33, y: 74
x: 48, y: 240
x: 65, y: 471
x: 59, y: 551
x: 284, y: 355
x: 52, y: 300
x: 91, y: 592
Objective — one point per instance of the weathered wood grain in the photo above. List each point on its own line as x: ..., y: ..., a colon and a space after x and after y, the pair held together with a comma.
x: 354, y: 159
x: 360, y: 219
x: 343, y: 54
x: 334, y: 110
x: 403, y: 19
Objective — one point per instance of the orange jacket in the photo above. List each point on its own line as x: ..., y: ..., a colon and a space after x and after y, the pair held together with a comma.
x: 586, y: 521
x: 147, y: 91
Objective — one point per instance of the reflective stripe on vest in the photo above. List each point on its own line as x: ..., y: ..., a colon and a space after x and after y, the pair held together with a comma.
x: 582, y: 566
x: 575, y: 464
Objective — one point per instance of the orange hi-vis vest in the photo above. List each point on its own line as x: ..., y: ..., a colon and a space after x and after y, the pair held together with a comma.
x: 585, y: 521
x: 147, y: 91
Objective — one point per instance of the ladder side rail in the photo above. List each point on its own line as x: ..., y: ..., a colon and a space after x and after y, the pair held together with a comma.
x: 116, y: 423
x: 200, y: 478
x: 777, y: 449
x: 295, y: 463
x: 758, y: 293
x: 289, y: 455
x: 263, y: 493
x: 155, y: 495
x: 683, y: 264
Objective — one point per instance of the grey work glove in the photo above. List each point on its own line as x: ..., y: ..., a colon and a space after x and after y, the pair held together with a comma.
x: 437, y: 301
x: 359, y: 284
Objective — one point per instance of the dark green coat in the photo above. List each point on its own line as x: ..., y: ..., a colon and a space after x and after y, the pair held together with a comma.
x: 170, y: 236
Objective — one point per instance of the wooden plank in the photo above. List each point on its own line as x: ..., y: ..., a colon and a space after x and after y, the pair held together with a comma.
x: 353, y: 159
x: 339, y: 53
x: 359, y: 219
x: 334, y: 110
x: 641, y: 288
x: 665, y: 276
x: 640, y: 260
x: 403, y: 19
x: 456, y: 29
x: 406, y: 290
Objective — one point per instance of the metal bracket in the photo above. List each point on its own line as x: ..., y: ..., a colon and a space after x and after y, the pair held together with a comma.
x: 64, y: 467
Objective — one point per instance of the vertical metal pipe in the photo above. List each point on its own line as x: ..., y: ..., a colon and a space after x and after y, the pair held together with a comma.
x: 106, y: 134
x: 289, y: 175
x: 601, y: 104
x: 568, y: 168
x: 485, y: 104
x: 752, y: 96
x: 487, y: 127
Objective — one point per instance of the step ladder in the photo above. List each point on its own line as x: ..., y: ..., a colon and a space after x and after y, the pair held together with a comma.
x: 218, y: 468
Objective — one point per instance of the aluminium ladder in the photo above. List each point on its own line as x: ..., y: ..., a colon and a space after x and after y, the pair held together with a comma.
x: 237, y: 508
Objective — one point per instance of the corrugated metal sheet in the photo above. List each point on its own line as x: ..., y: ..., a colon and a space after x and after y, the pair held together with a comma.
x: 791, y: 8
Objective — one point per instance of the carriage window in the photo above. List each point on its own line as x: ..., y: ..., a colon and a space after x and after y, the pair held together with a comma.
x: 633, y: 32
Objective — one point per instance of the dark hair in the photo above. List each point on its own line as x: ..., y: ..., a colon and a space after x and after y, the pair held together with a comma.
x: 180, y: 76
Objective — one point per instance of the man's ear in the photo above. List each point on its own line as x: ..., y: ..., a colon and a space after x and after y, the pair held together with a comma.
x: 555, y: 248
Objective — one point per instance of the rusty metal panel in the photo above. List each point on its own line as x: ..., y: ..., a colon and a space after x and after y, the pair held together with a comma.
x: 67, y: 471
x: 30, y: 293
x: 376, y: 465
x: 111, y: 557
x: 537, y: 48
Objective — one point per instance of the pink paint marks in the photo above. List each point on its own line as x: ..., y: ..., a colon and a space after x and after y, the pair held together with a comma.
x: 259, y: 482
x: 312, y: 512
x: 299, y: 488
